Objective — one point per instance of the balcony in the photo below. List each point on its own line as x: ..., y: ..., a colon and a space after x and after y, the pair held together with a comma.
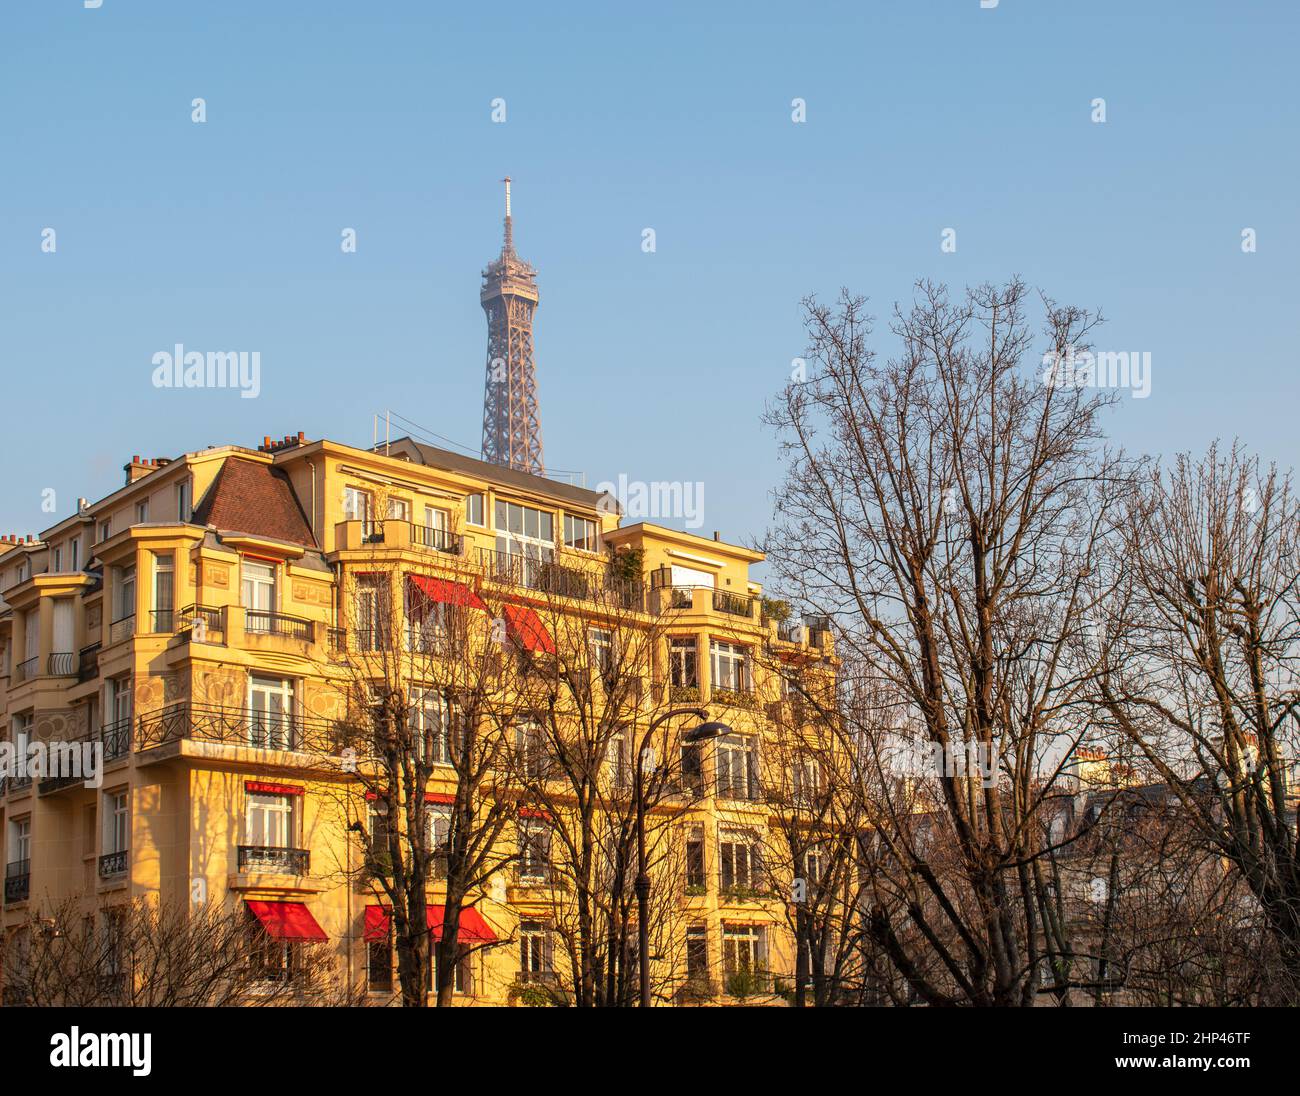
x: 238, y: 727
x: 741, y: 605
x: 537, y: 978
x: 265, y: 622
x: 61, y: 664
x: 122, y: 628
x: 549, y: 576
x: 700, y: 599
x: 737, y: 697
x: 353, y: 534
x: 751, y: 889
x: 88, y: 663
x: 115, y: 739
x: 113, y: 864
x: 272, y: 860
x: 437, y: 540
x: 18, y: 881
x: 25, y: 671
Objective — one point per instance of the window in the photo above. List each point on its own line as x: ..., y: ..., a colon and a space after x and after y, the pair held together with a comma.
x: 474, y: 509
x: 533, y: 750
x: 184, y: 509
x: 580, y: 533
x: 116, y: 821
x: 163, y: 590
x: 142, y: 511
x: 743, y: 951
x: 271, y: 960
x: 379, y: 964
x: 525, y: 533
x: 112, y: 941
x: 534, y: 850
x: 371, y: 612
x: 24, y: 570
x: 269, y: 821
x: 812, y: 865
x: 118, y: 703
x: 399, y: 509
x: 270, y: 722
x: 807, y: 781
x: 697, y: 953
x: 693, y: 767
x: 437, y: 528
x: 738, y: 768
x: 358, y: 505
x: 600, y: 644
x: 534, y: 951
x: 681, y: 663
x: 439, y: 816
x: 695, y: 881
x: 74, y: 554
x: 20, y: 841
x: 730, y: 666
x: 429, y: 714
x: 740, y: 860
x: 257, y: 593
x: 618, y: 762
x: 57, y: 560
x: 105, y: 529
x: 462, y: 976
x: 426, y: 621
x: 124, y: 600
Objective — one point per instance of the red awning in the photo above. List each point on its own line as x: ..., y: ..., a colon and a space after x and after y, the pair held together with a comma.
x: 473, y: 929
x: 287, y: 920
x: 444, y: 590
x: 527, y: 629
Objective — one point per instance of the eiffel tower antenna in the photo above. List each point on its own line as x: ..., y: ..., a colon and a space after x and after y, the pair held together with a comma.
x: 512, y: 430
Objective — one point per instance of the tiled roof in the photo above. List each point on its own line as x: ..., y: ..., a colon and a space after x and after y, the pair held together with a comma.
x: 251, y: 497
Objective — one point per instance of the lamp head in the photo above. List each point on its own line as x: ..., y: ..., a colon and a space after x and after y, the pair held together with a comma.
x: 706, y: 730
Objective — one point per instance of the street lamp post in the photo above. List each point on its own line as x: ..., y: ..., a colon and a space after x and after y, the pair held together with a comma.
x: 695, y: 734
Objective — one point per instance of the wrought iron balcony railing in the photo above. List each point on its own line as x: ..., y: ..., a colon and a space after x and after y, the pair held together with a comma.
x: 237, y: 727
x: 25, y: 670
x: 18, y: 881
x: 61, y: 664
x: 205, y: 623
x: 122, y: 628
x: 88, y: 663
x: 742, y: 605
x: 437, y: 540
x: 113, y: 863
x: 265, y: 622
x: 273, y: 860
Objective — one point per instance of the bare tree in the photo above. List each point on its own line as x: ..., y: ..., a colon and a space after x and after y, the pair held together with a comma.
x: 1201, y: 674
x: 141, y: 954
x: 586, y: 696
x: 945, y: 508
x: 427, y: 679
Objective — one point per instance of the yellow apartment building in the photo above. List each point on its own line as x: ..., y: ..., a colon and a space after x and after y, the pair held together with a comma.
x: 200, y: 625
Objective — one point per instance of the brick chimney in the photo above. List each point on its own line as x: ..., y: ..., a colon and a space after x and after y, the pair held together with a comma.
x: 139, y: 466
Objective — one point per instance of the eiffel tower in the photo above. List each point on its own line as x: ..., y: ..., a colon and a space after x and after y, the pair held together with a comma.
x: 512, y: 429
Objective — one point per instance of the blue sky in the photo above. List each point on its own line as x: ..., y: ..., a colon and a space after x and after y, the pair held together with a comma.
x: 920, y: 116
